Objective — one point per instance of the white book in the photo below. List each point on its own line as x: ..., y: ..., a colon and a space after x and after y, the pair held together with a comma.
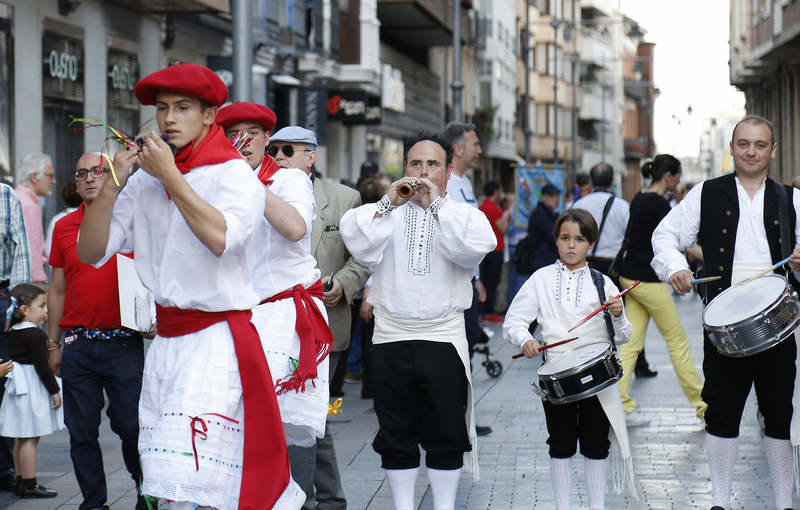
x: 137, y: 308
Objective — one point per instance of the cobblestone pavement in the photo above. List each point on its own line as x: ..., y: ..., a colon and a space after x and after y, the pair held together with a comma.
x: 669, y: 456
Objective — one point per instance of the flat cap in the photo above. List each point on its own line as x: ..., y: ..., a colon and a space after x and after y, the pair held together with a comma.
x: 190, y: 79
x: 550, y: 189
x: 295, y: 134
x: 242, y: 111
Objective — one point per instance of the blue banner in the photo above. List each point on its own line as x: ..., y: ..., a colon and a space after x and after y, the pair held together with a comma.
x: 529, y: 183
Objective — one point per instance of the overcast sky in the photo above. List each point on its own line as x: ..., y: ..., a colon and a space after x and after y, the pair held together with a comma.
x: 691, y: 66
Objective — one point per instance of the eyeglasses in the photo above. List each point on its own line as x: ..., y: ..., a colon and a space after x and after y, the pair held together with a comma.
x: 83, y: 173
x: 287, y: 150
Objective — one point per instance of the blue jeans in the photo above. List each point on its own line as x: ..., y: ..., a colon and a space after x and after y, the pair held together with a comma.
x: 6, y: 444
x: 87, y: 368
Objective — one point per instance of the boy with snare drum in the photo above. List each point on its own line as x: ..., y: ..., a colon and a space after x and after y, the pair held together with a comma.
x: 559, y: 296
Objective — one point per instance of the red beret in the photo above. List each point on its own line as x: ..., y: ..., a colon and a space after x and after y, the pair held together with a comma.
x: 242, y: 111
x: 190, y: 79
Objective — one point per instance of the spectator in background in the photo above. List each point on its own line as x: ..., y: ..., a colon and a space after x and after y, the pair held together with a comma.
x: 541, y: 242
x: 99, y: 354
x: 369, y: 169
x: 583, y: 187
x: 69, y: 193
x: 15, y: 268
x: 314, y: 468
x: 36, y: 178
x: 466, y: 148
x: 492, y: 264
x: 680, y: 193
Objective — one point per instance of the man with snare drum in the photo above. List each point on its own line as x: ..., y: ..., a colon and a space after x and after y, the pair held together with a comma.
x: 737, y: 220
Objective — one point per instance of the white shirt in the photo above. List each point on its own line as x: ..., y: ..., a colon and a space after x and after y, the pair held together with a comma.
x: 171, y: 261
x: 559, y: 298
x: 617, y: 221
x: 459, y: 188
x: 678, y: 231
x: 422, y: 262
x: 276, y: 263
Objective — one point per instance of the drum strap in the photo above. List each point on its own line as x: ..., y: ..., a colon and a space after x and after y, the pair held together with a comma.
x: 597, y: 278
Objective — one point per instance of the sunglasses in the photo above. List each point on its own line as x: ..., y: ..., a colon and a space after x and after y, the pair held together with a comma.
x: 83, y: 173
x: 287, y: 150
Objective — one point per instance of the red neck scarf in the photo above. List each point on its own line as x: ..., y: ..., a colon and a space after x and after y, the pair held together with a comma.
x: 265, y: 467
x: 215, y: 148
x: 316, y: 339
x: 268, y: 168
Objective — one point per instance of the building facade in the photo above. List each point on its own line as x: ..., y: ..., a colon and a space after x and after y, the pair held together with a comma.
x: 764, y: 39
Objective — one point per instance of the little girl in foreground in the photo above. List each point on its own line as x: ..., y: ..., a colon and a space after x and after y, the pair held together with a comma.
x: 558, y: 296
x: 31, y: 407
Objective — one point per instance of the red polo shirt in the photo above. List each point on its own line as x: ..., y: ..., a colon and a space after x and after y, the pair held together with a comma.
x: 92, y: 295
x: 494, y: 213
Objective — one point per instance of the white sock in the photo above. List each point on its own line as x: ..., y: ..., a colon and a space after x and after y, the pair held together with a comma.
x: 561, y: 475
x: 402, y: 483
x: 722, y: 452
x: 444, y: 484
x: 596, y: 482
x: 781, y: 469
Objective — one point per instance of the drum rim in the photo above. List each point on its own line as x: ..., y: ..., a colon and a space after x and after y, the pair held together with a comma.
x: 760, y: 347
x: 577, y: 368
x: 787, y: 287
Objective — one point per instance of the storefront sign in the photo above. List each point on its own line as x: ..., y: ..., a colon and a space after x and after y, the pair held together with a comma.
x: 123, y: 73
x: 63, y: 67
x: 354, y: 107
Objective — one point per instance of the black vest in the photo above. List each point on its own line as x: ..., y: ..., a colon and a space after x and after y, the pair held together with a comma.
x: 719, y: 220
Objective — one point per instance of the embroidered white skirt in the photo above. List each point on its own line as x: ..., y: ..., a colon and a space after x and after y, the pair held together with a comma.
x: 27, y: 408
x: 190, y: 448
x: 303, y: 412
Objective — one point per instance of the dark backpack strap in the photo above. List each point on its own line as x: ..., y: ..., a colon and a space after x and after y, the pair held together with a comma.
x: 599, y: 283
x: 606, y: 210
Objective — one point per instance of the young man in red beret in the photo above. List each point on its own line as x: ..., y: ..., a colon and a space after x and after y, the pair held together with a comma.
x: 189, y: 217
x: 295, y: 337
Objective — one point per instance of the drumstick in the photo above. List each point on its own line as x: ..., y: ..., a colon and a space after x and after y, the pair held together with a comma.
x: 707, y: 279
x: 637, y: 282
x: 768, y: 270
x: 560, y: 342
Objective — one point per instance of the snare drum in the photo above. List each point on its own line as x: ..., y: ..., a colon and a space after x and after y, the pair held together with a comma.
x: 749, y: 318
x: 578, y: 374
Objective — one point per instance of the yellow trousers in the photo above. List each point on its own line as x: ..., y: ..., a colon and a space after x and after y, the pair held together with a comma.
x: 655, y: 300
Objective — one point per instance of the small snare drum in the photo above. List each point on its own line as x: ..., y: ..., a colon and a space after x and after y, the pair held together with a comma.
x: 749, y: 318
x: 578, y: 374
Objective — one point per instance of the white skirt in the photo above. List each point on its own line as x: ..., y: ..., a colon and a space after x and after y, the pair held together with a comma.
x: 303, y: 412
x: 27, y: 408
x: 184, y: 377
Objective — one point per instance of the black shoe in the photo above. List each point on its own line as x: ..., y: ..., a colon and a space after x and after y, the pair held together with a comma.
x: 31, y: 489
x: 646, y: 372
x: 482, y: 431
x: 8, y: 482
x: 717, y: 508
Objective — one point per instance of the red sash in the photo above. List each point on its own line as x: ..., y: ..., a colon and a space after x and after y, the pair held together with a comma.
x: 267, y: 169
x: 265, y: 467
x: 316, y: 340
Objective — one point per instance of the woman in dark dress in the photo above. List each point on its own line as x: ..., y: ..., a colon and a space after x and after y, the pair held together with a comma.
x: 652, y: 298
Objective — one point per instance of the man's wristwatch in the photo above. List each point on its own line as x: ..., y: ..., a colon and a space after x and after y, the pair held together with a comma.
x: 53, y: 344
x: 385, y: 206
